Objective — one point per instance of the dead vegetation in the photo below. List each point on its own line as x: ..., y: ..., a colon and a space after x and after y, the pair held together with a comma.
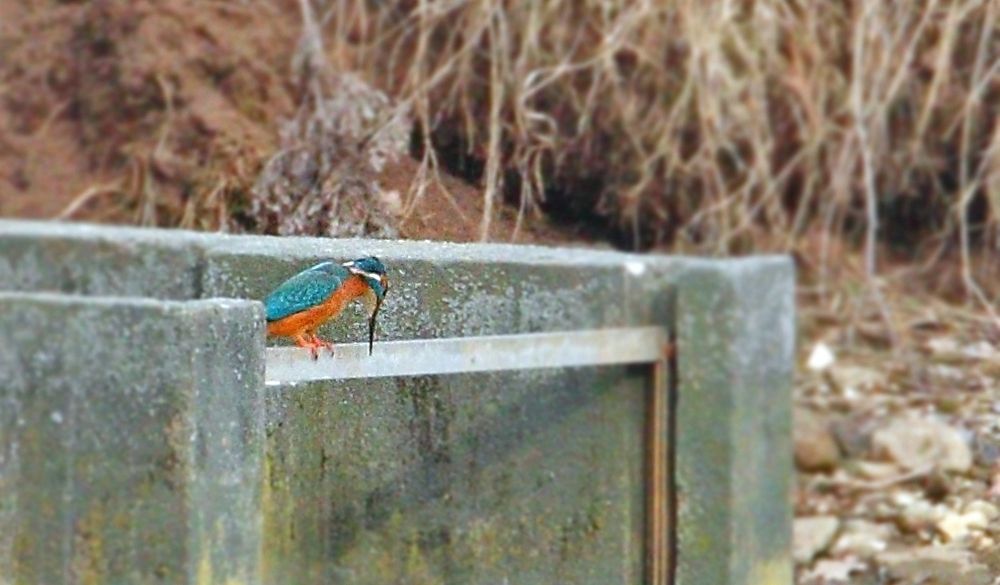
x: 700, y: 127
x: 765, y: 113
x: 709, y: 127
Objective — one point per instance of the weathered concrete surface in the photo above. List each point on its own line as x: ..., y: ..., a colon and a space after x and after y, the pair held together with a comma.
x: 735, y: 338
x: 476, y: 479
x: 92, y: 260
x: 735, y: 329
x: 530, y: 477
x: 130, y: 440
x: 379, y: 464
x: 439, y: 289
x: 735, y: 333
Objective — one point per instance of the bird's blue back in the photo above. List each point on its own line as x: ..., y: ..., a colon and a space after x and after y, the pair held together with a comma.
x: 305, y: 290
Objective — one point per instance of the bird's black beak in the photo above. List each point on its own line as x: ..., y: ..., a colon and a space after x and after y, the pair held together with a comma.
x: 371, y: 320
x: 371, y: 327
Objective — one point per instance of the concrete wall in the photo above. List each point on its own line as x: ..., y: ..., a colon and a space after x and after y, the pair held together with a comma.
x: 533, y: 477
x: 130, y: 440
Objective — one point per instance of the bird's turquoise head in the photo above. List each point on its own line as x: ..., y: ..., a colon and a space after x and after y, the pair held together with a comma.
x: 372, y: 271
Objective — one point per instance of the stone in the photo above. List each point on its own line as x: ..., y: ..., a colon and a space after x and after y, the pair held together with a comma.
x: 854, y: 435
x: 986, y: 449
x: 812, y: 536
x: 916, y: 514
x: 852, y: 379
x: 918, y: 443
x: 815, y: 448
x: 981, y: 350
x: 944, y: 349
x: 989, y: 511
x: 934, y: 565
x: 834, y: 572
x: 958, y: 526
x: 994, y: 491
x: 75, y: 258
x: 863, y: 538
x: 875, y: 470
x: 821, y: 357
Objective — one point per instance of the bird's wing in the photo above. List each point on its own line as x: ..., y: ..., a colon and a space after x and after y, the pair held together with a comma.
x: 304, y: 291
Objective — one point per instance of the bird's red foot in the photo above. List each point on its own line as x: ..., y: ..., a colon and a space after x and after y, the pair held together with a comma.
x: 313, y: 344
x: 307, y: 342
x: 322, y: 343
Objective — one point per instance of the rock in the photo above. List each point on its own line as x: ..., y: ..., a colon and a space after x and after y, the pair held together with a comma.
x: 986, y: 543
x: 994, y: 491
x: 820, y: 358
x: 936, y: 485
x: 917, y: 442
x: 947, y: 349
x: 944, y: 349
x: 969, y: 524
x: 916, y: 514
x: 876, y: 470
x: 811, y: 536
x: 981, y: 350
x: 954, y: 526
x: 988, y: 510
x: 863, y: 538
x: 815, y: 448
x: 854, y: 435
x: 986, y: 449
x: 834, y: 572
x: 934, y: 565
x: 852, y: 379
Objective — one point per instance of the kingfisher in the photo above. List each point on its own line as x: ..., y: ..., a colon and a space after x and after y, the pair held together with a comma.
x: 304, y: 302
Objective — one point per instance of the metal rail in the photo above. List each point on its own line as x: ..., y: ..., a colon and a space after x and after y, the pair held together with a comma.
x: 599, y: 347
x: 458, y: 355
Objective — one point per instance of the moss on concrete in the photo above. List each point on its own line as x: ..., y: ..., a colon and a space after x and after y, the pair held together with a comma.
x: 526, y: 476
x: 116, y: 433
x: 421, y: 480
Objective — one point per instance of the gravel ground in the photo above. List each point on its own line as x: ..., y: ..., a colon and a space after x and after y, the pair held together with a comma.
x: 898, y: 450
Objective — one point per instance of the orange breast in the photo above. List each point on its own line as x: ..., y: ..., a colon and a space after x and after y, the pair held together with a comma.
x: 312, y: 318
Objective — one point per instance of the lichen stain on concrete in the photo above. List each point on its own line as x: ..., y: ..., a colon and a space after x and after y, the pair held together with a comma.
x: 771, y: 572
x: 88, y: 564
x: 433, y: 413
x: 204, y: 576
x: 206, y: 572
x: 277, y: 506
x: 171, y: 465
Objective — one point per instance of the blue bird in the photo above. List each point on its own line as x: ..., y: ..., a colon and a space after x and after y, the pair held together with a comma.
x: 304, y: 302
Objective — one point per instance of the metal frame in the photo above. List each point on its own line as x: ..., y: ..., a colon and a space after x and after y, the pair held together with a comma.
x: 599, y: 347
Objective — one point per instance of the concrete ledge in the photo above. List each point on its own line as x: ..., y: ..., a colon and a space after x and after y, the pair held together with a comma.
x: 361, y: 475
x: 440, y: 289
x: 130, y: 440
x: 92, y: 260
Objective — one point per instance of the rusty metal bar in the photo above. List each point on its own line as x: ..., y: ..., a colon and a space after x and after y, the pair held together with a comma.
x: 658, y: 485
x: 634, y: 345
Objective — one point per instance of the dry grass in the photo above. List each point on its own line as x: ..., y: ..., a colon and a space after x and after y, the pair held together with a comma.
x: 708, y: 127
x: 715, y: 127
